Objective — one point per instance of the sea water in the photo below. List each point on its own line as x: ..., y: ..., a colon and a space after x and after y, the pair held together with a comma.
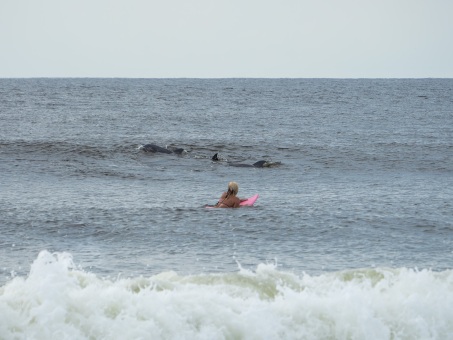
x: 351, y: 237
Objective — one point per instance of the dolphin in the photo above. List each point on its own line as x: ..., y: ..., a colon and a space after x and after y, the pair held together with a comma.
x: 156, y: 148
x: 259, y: 164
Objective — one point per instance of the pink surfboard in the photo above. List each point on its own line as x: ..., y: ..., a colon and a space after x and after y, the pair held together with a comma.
x: 247, y: 203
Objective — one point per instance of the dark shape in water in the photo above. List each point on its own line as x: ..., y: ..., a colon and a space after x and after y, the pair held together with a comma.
x: 259, y: 164
x: 156, y: 148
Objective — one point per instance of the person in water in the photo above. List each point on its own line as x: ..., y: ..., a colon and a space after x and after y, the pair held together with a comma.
x: 228, y: 198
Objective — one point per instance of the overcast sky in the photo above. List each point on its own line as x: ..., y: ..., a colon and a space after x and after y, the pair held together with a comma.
x: 226, y: 38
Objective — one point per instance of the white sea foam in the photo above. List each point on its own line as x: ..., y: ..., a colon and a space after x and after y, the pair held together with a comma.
x: 59, y: 301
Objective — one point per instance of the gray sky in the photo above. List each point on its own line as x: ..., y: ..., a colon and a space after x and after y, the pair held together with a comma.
x: 226, y: 38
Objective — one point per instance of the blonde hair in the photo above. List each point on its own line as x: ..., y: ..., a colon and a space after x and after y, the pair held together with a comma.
x: 233, y: 187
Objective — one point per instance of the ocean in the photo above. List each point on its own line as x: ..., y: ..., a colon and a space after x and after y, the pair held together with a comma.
x: 351, y: 236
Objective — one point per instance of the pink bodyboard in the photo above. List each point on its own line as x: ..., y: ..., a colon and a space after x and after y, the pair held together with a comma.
x: 247, y: 203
